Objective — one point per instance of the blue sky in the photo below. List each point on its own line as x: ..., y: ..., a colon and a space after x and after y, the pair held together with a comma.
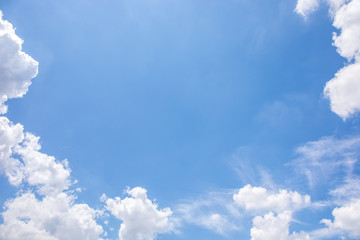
x: 191, y: 101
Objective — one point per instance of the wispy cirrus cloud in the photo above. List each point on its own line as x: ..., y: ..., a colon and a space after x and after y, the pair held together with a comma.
x: 215, y: 211
x: 320, y: 160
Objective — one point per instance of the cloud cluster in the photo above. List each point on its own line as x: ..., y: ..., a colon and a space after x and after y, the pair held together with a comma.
x: 16, y: 68
x: 346, y: 219
x: 258, y: 198
x: 10, y: 135
x: 141, y: 218
x: 42, y: 210
x: 271, y: 227
x: 45, y: 207
x: 280, y: 206
x: 22, y: 162
x: 344, y: 89
x: 335, y: 159
x: 54, y: 217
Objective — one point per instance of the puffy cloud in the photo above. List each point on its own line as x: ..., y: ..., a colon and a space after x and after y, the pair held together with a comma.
x: 347, y: 19
x: 271, y: 227
x: 42, y: 170
x: 52, y: 218
x: 54, y: 215
x: 10, y: 135
x: 141, y: 219
x: 346, y: 219
x: 344, y: 89
x: 33, y: 167
x: 16, y: 67
x: 258, y: 198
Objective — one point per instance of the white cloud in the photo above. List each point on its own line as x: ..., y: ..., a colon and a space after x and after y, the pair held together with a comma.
x: 10, y: 136
x: 349, y: 189
x: 42, y: 170
x: 258, y: 198
x: 305, y: 7
x: 347, y: 19
x: 320, y: 160
x: 214, y: 211
x: 346, y: 219
x: 141, y: 219
x: 16, y: 67
x: 335, y: 161
x: 344, y: 89
x: 54, y: 217
x: 271, y: 227
x: 32, y: 167
x: 335, y: 5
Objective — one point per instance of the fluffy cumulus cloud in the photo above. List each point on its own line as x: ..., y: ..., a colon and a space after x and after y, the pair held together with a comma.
x: 271, y: 227
x: 258, y: 198
x: 141, y: 218
x: 54, y: 217
x: 346, y: 219
x: 42, y: 209
x: 280, y: 207
x: 22, y: 161
x: 344, y: 89
x: 347, y: 19
x: 16, y: 67
x: 10, y: 135
x: 41, y: 170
